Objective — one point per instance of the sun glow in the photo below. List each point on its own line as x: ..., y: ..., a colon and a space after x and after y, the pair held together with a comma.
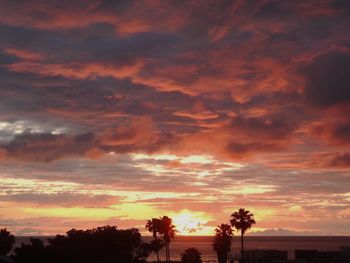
x: 192, y: 223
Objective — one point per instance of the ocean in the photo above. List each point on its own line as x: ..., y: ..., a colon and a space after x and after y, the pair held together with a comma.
x: 203, y: 244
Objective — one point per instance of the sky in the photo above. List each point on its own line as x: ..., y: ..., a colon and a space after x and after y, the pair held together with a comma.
x: 114, y: 112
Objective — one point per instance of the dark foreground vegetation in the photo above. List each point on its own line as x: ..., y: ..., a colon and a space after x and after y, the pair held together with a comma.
x: 105, y: 244
x: 108, y: 244
x: 102, y: 244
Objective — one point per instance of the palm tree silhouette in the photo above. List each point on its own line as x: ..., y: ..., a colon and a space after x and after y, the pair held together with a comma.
x: 168, y: 230
x: 242, y: 221
x: 154, y: 226
x: 222, y: 242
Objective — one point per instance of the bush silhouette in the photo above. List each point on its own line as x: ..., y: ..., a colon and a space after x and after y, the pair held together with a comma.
x: 191, y: 255
x: 35, y: 251
x: 6, y: 242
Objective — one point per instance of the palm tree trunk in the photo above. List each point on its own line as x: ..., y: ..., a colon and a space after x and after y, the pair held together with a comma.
x: 222, y: 257
x: 242, y: 248
x: 166, y: 252
x: 157, y: 252
x: 169, y: 251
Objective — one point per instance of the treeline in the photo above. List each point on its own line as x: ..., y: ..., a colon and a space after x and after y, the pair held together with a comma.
x: 103, y: 244
x: 109, y: 244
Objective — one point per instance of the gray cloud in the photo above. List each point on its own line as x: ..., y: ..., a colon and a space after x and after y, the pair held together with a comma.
x: 327, y: 80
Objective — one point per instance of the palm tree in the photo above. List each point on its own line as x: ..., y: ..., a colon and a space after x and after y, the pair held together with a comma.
x: 222, y: 242
x: 242, y: 221
x: 168, y: 230
x: 154, y: 226
x: 6, y: 242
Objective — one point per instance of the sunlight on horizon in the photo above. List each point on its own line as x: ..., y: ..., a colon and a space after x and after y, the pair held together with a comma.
x: 192, y: 223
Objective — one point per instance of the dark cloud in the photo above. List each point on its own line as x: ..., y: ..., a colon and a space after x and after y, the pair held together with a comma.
x: 341, y: 160
x: 97, y: 42
x: 274, y: 127
x: 241, y: 150
x: 47, y: 147
x: 335, y: 132
x: 260, y: 135
x: 341, y: 133
x: 327, y: 79
x: 275, y: 9
x: 6, y: 58
x: 341, y: 5
x: 111, y: 6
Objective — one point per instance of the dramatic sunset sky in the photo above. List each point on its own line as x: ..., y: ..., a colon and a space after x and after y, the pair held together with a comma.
x: 113, y: 112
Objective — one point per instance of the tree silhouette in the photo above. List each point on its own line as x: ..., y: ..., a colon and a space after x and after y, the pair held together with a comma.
x: 242, y: 220
x: 105, y: 244
x: 35, y: 251
x: 6, y: 242
x: 168, y: 230
x: 222, y: 242
x: 154, y: 226
x: 191, y: 255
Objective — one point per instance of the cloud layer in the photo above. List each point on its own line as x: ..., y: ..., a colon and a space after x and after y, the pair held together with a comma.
x: 172, y: 107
